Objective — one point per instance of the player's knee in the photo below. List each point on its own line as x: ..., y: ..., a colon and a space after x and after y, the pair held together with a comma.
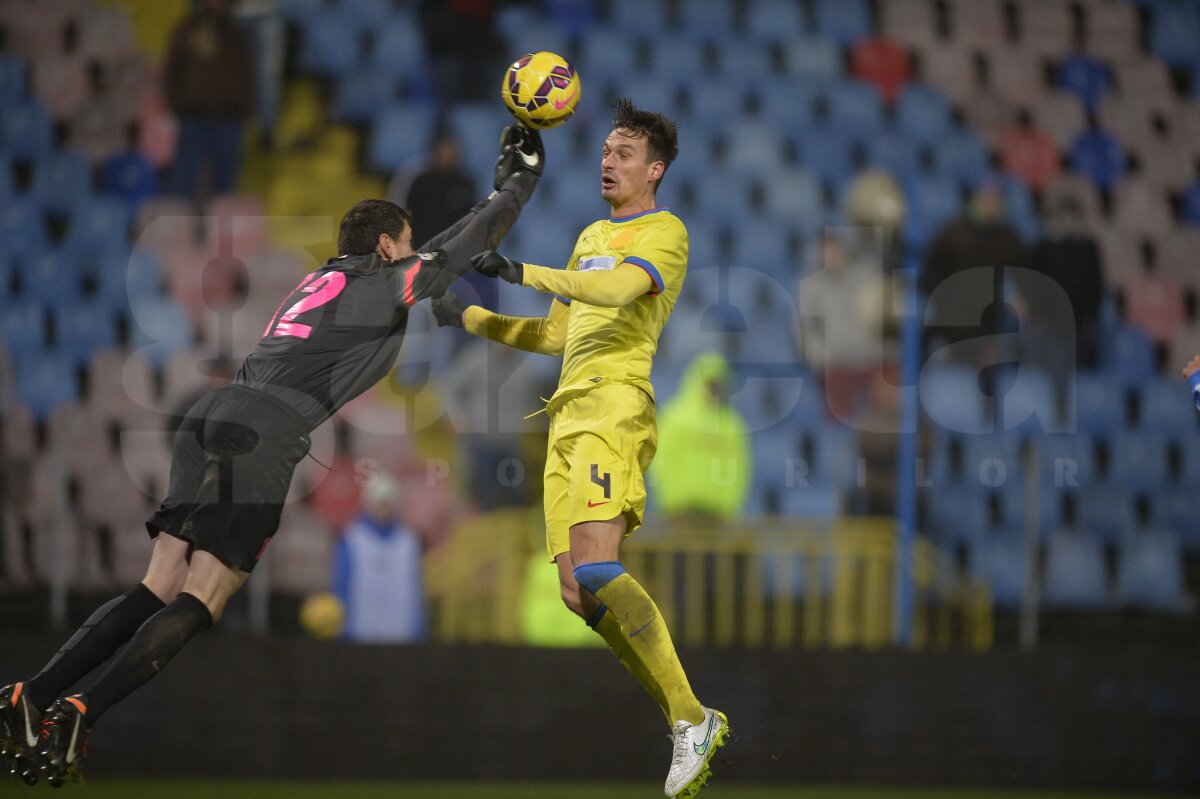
x: 573, y: 601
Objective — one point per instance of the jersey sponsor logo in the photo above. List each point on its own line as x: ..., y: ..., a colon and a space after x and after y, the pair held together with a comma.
x: 702, y: 747
x: 598, y: 263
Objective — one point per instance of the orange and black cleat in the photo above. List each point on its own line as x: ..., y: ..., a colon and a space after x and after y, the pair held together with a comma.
x: 63, y: 740
x: 19, y: 723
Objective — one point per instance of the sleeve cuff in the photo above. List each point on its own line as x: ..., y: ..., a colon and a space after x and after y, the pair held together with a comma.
x: 650, y: 270
x: 562, y: 299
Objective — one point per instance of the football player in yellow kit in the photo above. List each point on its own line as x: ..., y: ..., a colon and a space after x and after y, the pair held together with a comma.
x: 610, y: 305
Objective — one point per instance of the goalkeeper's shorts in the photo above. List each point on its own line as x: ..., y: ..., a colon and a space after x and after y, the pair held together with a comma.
x: 601, y: 443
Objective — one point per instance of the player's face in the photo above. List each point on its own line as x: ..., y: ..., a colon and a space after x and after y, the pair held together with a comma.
x: 626, y: 172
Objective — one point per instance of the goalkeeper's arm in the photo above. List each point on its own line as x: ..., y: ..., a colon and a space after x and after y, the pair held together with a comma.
x: 543, y: 334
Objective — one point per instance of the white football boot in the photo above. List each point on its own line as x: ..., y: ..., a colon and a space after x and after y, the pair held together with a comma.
x: 693, y: 748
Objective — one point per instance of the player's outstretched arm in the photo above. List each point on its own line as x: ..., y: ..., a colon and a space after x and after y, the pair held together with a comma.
x: 542, y: 334
x: 605, y: 289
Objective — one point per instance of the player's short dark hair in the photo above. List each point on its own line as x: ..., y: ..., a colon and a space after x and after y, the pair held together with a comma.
x: 362, y: 224
x: 661, y: 132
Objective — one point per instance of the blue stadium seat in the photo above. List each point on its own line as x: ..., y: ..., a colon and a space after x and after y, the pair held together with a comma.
x: 130, y: 279
x: 1164, y: 407
x: 676, y: 59
x: 11, y: 289
x: 952, y: 399
x: 827, y: 154
x: 82, y: 329
x: 543, y: 33
x: 788, y: 105
x: 12, y: 80
x: 1000, y: 560
x: 1175, y: 33
x: 758, y: 244
x: 1075, y: 576
x: 1021, y: 210
x: 1099, y: 157
x: 62, y: 181
x: 755, y: 147
x: 52, y: 280
x: 1013, y: 503
x: 776, y: 21
x: 329, y: 42
x: 45, y: 382
x: 1179, y: 510
x: 744, y: 60
x: 401, y: 136
x: 813, y: 59
x: 1066, y: 461
x: 957, y: 513
x: 639, y: 15
x: 22, y: 326
x: 1150, y: 572
x: 606, y: 54
x: 1106, y: 511
x: 962, y: 157
x: 400, y: 50
x: 129, y: 177
x: 361, y: 93
x: 546, y: 240
x: 923, y: 115
x: 894, y: 153
x: 478, y: 126
x: 1086, y: 78
x: 1137, y: 461
x: 1029, y: 405
x: 8, y: 189
x: 26, y: 130
x: 160, y: 329
x: 792, y: 195
x: 843, y: 20
x: 22, y: 227
x: 932, y: 202
x: 1128, y: 357
x: 707, y: 18
x: 1099, y: 404
x: 100, y: 224
x: 854, y: 107
x: 1190, y: 201
x: 577, y: 16
x: 992, y: 460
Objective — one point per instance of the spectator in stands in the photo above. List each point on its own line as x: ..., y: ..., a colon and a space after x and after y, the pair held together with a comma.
x: 466, y: 51
x: 703, y: 465
x: 210, y: 87
x: 841, y: 331
x: 984, y: 238
x: 129, y: 176
x: 1192, y: 373
x: 1069, y: 255
x: 377, y: 570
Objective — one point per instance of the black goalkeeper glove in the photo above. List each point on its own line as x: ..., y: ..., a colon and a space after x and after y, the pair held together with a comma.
x: 448, y: 310
x: 520, y: 150
x: 490, y: 263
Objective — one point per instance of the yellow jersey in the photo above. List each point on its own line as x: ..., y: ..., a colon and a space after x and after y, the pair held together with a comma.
x: 606, y: 345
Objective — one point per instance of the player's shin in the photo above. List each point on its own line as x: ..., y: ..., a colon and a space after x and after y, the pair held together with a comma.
x: 644, y: 630
x: 605, y: 624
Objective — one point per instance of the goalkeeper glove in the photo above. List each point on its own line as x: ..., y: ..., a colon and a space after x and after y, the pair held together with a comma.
x: 520, y: 150
x: 448, y: 310
x: 490, y: 263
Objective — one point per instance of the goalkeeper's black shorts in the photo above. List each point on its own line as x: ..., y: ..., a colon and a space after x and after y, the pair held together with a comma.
x: 231, y: 467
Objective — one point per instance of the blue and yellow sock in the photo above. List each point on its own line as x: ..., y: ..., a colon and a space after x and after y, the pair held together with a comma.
x: 641, y: 630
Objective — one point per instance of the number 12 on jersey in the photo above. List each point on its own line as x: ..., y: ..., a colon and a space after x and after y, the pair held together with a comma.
x: 315, y: 291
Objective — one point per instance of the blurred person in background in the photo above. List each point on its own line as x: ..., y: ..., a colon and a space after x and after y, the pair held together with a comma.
x: 332, y: 337
x: 209, y: 85
x: 377, y: 570
x: 1192, y: 373
x: 466, y: 49
x: 983, y: 239
x: 841, y: 324
x: 703, y: 466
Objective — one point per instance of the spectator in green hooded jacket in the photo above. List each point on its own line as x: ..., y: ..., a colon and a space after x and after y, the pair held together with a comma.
x: 703, y: 466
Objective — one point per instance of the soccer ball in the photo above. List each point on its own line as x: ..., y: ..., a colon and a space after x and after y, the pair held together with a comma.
x: 322, y: 616
x: 541, y: 90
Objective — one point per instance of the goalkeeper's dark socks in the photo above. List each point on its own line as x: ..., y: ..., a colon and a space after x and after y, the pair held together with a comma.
x: 157, y: 641
x: 107, y: 628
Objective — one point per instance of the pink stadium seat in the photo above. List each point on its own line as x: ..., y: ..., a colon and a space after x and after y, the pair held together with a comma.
x: 1016, y: 73
x: 1129, y: 120
x: 1146, y: 82
x: 105, y: 33
x: 1163, y: 163
x: 18, y: 430
x: 1030, y: 155
x: 1061, y: 115
x: 1080, y: 189
x: 60, y: 81
x: 1045, y: 27
x: 164, y: 222
x: 1185, y: 128
x: 1110, y: 30
x: 1139, y: 207
x: 1179, y: 256
x: 977, y: 23
x: 911, y: 22
x: 1121, y: 256
x: 122, y: 383
x: 1155, y: 304
x: 98, y: 128
x: 883, y: 63
x: 951, y: 69
x: 34, y: 28
x: 1185, y: 345
x: 241, y: 224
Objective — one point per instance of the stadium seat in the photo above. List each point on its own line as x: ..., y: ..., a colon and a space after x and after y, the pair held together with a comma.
x: 83, y: 328
x: 329, y: 42
x: 842, y: 20
x: 675, y: 59
x: 977, y: 23
x: 812, y: 59
x: 1029, y: 154
x: 1098, y: 156
x: 1178, y: 254
x: 22, y: 327
x: 992, y: 460
x: 1075, y: 576
x: 1111, y: 31
x: 951, y: 70
x: 1045, y: 27
x: 788, y: 105
x: 401, y: 136
x: 648, y: 15
x: 1129, y: 357
x: 22, y: 227
x: 827, y: 154
x: 1154, y: 304
x: 1179, y: 511
x: 1077, y: 188
x: 606, y: 54
x: 542, y: 32
x: 1164, y: 407
x: 744, y: 60
x: 958, y: 514
x: 1190, y: 204
x: 707, y: 18
x: 62, y: 181
x: 1107, y: 511
x: 775, y: 20
x: 962, y: 157
x: 932, y: 203
x: 1086, y: 78
x: 1175, y: 33
x: 1137, y: 461
x: 361, y: 93
x: 26, y: 130
x: 910, y: 22
x: 894, y: 153
x: 1066, y: 461
x: 1029, y: 405
x: 1061, y: 115
x: 1098, y: 403
x: 159, y: 330
x: 1016, y: 74
x: 1150, y: 572
x: 60, y: 82
x: 53, y: 279
x: 12, y: 80
x: 952, y: 399
x: 792, y: 195
x: 883, y: 63
x: 46, y: 381
x: 923, y: 114
x: 1139, y: 208
x: 757, y: 148
x: 853, y: 107
x: 1148, y: 82
x: 1000, y: 559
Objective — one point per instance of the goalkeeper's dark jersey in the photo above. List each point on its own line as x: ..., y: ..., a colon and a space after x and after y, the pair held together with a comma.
x: 339, y: 331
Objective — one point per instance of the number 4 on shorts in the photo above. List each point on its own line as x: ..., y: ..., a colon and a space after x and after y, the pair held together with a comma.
x: 604, y: 482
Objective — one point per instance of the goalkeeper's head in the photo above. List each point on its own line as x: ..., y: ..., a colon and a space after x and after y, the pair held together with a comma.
x: 376, y: 226
x: 637, y: 152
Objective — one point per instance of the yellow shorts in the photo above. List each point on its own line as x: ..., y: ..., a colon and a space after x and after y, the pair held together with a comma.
x: 601, y: 444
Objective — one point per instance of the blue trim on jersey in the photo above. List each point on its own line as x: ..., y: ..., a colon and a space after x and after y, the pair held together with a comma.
x: 563, y: 300
x: 650, y: 270
x: 639, y: 213
x: 597, y: 615
x: 594, y: 576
